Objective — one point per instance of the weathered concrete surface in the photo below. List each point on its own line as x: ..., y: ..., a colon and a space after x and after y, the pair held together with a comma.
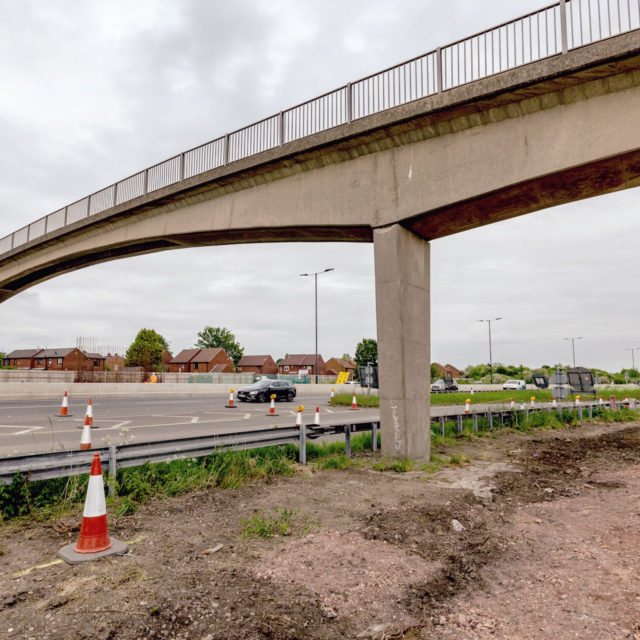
x: 555, y: 131
x: 402, y: 297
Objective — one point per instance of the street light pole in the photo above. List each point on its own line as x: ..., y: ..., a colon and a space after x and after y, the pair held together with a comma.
x: 315, y: 277
x: 490, y: 354
x: 573, y: 348
x: 633, y: 359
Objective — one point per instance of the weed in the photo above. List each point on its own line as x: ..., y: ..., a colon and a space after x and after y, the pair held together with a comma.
x: 263, y: 525
x: 336, y: 462
x: 401, y: 465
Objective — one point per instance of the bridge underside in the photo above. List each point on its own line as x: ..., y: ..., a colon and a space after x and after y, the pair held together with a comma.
x: 553, y: 132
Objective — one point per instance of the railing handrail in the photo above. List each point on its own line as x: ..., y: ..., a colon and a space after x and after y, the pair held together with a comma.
x: 425, y: 78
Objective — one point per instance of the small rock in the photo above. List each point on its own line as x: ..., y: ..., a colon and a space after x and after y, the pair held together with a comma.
x: 374, y: 632
x: 548, y: 490
x: 457, y: 525
x: 442, y: 620
x: 462, y: 619
x: 206, y: 552
x: 328, y: 612
x: 538, y: 521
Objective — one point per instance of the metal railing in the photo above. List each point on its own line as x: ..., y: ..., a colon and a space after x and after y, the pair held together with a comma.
x: 550, y: 31
x: 61, y: 464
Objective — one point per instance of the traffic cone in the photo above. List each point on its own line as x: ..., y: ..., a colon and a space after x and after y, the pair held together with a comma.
x: 316, y: 419
x: 230, y: 404
x: 64, y: 409
x: 533, y: 401
x: 522, y: 405
x: 471, y: 390
x: 466, y: 406
x: 88, y: 417
x: 272, y: 406
x: 85, y: 439
x: 94, y: 541
x: 331, y: 397
x: 554, y: 404
x: 626, y: 400
x: 299, y: 416
x: 600, y: 400
x: 354, y: 403
x: 577, y: 401
x: 513, y: 404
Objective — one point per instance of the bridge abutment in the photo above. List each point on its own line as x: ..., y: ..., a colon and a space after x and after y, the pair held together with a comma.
x: 402, y: 313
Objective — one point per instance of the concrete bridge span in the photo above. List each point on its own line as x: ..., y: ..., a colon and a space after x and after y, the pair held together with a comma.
x: 543, y: 134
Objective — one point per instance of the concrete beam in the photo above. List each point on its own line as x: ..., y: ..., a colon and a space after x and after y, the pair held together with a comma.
x: 402, y: 312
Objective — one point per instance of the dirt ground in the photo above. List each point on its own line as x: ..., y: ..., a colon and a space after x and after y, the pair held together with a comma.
x: 537, y: 537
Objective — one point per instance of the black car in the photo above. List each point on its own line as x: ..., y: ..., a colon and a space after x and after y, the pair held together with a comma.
x: 262, y: 391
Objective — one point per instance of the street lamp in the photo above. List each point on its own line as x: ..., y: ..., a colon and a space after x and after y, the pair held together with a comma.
x: 633, y: 359
x: 573, y: 347
x: 490, y: 356
x: 315, y: 276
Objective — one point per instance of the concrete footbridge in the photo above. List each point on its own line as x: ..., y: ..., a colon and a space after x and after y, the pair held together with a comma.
x: 536, y: 112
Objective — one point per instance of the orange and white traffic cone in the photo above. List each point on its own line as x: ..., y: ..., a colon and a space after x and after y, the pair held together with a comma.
x: 513, y: 404
x: 272, y: 406
x: 354, y: 402
x: 626, y: 400
x: 230, y: 404
x: 64, y: 409
x: 600, y: 400
x: 94, y: 541
x: 88, y: 417
x: 85, y: 439
x: 471, y: 390
x: 554, y: 403
x: 299, y: 416
x: 467, y: 404
x: 316, y: 419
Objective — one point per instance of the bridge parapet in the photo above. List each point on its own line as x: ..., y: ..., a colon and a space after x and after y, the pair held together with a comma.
x: 553, y: 30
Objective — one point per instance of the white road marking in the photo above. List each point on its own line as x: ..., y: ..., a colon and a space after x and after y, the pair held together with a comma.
x: 194, y: 419
x: 24, y: 428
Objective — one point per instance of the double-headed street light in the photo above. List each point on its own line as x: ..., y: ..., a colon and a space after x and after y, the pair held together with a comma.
x: 490, y: 356
x: 573, y: 347
x: 315, y: 275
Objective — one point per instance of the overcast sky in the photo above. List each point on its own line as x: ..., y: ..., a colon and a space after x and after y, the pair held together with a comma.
x: 94, y: 91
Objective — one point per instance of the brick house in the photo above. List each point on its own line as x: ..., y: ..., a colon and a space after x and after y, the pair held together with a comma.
x: 201, y: 361
x: 302, y: 364
x: 71, y: 359
x: 257, y: 364
x: 448, y: 370
x: 211, y: 361
x: 114, y: 361
x: 335, y: 366
x: 21, y: 358
x: 181, y: 362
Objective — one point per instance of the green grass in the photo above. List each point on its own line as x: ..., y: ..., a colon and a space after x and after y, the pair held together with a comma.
x: 136, y: 485
x: 261, y: 525
x: 345, y: 400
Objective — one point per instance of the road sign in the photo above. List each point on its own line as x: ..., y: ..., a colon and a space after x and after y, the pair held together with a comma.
x: 343, y: 376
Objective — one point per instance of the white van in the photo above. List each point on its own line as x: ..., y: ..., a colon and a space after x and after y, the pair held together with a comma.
x: 514, y: 385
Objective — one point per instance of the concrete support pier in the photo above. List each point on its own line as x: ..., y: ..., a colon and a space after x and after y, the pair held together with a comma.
x: 402, y: 313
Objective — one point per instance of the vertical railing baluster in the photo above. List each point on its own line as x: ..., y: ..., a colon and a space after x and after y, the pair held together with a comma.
x: 439, y: 70
x: 563, y: 25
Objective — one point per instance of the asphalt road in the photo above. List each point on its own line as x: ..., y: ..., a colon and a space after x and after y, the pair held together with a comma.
x: 34, y: 426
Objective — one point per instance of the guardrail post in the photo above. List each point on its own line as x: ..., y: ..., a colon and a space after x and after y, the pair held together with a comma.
x: 580, y: 415
x: 439, y: 69
x: 591, y: 411
x: 459, y: 423
x: 302, y: 456
x: 475, y: 422
x: 347, y: 440
x: 441, y: 421
x: 490, y: 419
x: 374, y: 436
x: 563, y: 26
x: 349, y: 103
x: 501, y: 419
x: 112, y: 468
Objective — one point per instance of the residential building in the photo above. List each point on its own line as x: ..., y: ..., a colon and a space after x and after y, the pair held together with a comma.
x: 448, y: 370
x: 302, y: 364
x: 114, y: 362
x: 21, y: 358
x: 334, y: 366
x: 257, y: 364
x: 201, y: 361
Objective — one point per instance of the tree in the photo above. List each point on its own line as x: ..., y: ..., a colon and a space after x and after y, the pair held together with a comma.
x: 220, y: 338
x: 366, y: 351
x: 146, y: 350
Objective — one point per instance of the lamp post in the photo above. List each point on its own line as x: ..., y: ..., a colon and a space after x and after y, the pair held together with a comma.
x: 490, y: 355
x: 315, y: 276
x: 633, y: 359
x: 573, y: 347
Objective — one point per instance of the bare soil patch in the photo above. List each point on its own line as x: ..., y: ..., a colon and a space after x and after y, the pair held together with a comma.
x: 537, y: 537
